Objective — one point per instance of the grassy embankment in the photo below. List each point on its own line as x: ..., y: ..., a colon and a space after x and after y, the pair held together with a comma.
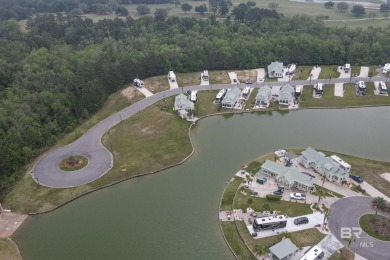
x: 367, y: 223
x: 8, y: 250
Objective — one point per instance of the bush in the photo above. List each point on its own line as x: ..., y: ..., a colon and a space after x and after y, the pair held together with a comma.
x: 273, y: 197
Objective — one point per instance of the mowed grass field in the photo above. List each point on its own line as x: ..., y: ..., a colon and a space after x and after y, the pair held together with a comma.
x: 8, y: 250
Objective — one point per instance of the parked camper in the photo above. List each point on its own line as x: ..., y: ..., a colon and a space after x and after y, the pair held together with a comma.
x: 319, y: 89
x: 382, y: 88
x: 347, y: 67
x: 298, y: 91
x: 314, y: 253
x: 194, y: 96
x: 386, y: 68
x: 361, y: 87
x: 205, y: 75
x: 291, y: 69
x: 138, y: 83
x: 221, y: 94
x: 246, y: 92
x: 171, y: 76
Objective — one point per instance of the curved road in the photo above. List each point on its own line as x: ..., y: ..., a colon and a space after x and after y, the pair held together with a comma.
x: 346, y: 213
x: 46, y: 171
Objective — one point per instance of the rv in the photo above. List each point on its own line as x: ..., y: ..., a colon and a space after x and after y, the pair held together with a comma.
x: 221, y: 94
x: 269, y: 222
x: 298, y: 91
x: 386, y: 68
x: 344, y: 165
x: 246, y: 92
x: 382, y: 88
x: 194, y: 96
x: 291, y: 69
x: 205, y: 75
x: 361, y: 87
x: 347, y: 67
x: 315, y: 253
x: 171, y: 76
x: 138, y: 83
x: 319, y: 89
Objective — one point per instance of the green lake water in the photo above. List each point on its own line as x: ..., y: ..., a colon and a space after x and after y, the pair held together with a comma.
x: 173, y: 214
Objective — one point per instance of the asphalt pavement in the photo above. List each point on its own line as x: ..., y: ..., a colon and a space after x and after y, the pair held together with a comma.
x: 100, y: 160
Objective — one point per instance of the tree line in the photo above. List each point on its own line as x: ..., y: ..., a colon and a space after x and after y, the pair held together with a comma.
x: 62, y: 69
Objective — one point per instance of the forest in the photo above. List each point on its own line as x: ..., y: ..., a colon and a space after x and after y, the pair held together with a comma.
x: 61, y: 70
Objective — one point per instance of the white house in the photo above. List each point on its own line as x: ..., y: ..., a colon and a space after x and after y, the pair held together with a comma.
x: 231, y: 98
x: 286, y: 95
x: 318, y: 161
x: 263, y: 96
x: 182, y: 105
x: 275, y: 70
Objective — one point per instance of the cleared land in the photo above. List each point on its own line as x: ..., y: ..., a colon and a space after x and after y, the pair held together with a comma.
x: 219, y: 77
x: 188, y: 79
x: 157, y: 84
x: 244, y: 75
x: 8, y: 250
x: 329, y: 71
x: 302, y: 72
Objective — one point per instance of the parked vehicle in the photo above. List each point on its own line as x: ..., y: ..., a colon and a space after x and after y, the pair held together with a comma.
x: 297, y: 196
x: 301, y: 220
x: 277, y: 192
x: 205, y: 75
x: 138, y: 83
x: 254, y: 193
x: 171, y: 76
x: 357, y: 178
x: 248, y: 81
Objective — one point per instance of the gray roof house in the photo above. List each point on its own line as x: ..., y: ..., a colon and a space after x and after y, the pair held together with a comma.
x: 231, y: 98
x: 287, y: 176
x: 283, y: 250
x: 182, y: 105
x: 275, y: 70
x: 263, y: 96
x: 310, y: 158
x: 286, y: 95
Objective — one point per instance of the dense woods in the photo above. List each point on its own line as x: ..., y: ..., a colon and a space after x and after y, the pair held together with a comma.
x: 61, y: 70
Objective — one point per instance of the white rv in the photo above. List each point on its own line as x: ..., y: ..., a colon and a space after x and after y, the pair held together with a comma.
x: 382, y: 88
x: 194, y: 96
x: 171, y: 76
x: 221, y: 94
x: 319, y: 89
x: 298, y: 91
x: 386, y: 68
x: 347, y: 67
x: 138, y: 83
x: 291, y: 69
x: 246, y: 92
x: 315, y: 253
x: 361, y: 87
x: 205, y: 75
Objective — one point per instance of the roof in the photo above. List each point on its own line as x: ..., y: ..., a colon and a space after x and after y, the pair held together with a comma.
x: 275, y: 67
x: 286, y: 92
x: 232, y: 95
x: 181, y: 102
x: 311, y: 155
x: 264, y: 93
x: 283, y: 249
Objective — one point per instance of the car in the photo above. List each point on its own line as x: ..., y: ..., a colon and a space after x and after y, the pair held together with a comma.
x: 301, y: 220
x: 248, y: 81
x: 281, y: 188
x: 254, y: 193
x: 357, y: 178
x: 297, y: 196
x: 277, y: 192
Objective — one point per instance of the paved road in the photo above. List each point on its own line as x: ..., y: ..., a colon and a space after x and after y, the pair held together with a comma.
x: 346, y: 213
x: 47, y: 173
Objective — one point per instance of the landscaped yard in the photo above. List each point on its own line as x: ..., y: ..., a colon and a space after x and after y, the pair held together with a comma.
x: 371, y: 224
x: 329, y: 72
x: 230, y: 192
x: 327, y: 192
x: 235, y: 241
x: 205, y: 104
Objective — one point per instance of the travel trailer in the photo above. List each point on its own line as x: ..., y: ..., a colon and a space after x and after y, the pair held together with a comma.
x: 205, y: 75
x: 246, y: 92
x: 221, y: 94
x: 382, y: 88
x: 194, y: 96
x: 298, y: 91
x: 361, y: 87
x: 386, y: 68
x: 171, y: 76
x: 138, y: 83
x: 319, y: 89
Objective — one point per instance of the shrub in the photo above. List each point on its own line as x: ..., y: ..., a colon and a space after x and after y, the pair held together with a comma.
x: 273, y: 197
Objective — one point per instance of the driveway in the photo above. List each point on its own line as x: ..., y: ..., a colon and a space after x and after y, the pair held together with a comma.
x: 315, y: 73
x: 345, y: 213
x: 260, y: 75
x: 46, y: 172
x: 173, y: 85
x: 144, y: 91
x: 203, y: 82
x: 364, y: 71
x: 233, y: 78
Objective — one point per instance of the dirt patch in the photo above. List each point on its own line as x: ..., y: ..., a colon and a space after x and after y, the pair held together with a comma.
x: 157, y: 84
x: 244, y: 75
x: 9, y: 222
x: 129, y: 92
x: 386, y: 176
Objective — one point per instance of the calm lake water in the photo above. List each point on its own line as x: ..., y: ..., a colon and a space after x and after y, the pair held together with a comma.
x: 173, y: 214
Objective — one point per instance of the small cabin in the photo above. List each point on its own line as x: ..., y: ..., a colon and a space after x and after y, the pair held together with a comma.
x: 382, y: 88
x: 205, y: 75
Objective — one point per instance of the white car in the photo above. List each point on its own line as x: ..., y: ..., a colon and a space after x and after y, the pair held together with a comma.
x: 297, y: 196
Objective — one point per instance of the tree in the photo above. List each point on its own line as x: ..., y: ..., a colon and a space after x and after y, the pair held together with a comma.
x: 358, y: 10
x: 186, y: 7
x: 273, y: 5
x: 250, y: 201
x: 102, y: 9
x: 327, y: 214
x: 320, y: 193
x: 160, y: 14
x: 260, y: 250
x: 240, y: 12
x: 342, y: 6
x: 323, y: 179
x: 201, y: 9
x: 122, y: 11
x: 385, y: 7
x: 251, y: 4
x: 75, y: 12
x: 143, y: 9
x: 329, y: 5
x: 378, y: 203
x: 382, y: 226
x: 72, y: 160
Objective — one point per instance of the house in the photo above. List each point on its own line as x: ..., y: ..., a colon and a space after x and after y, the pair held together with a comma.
x: 286, y: 95
x: 231, y: 98
x: 287, y: 176
x: 327, y: 166
x: 263, y: 96
x: 275, y: 70
x: 283, y: 250
x: 182, y: 105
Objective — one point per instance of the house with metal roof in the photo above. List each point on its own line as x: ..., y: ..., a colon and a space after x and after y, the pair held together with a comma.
x: 327, y: 166
x: 275, y: 70
x: 263, y: 96
x: 287, y: 176
x: 231, y: 98
x: 283, y: 250
x: 286, y: 95
x: 182, y: 105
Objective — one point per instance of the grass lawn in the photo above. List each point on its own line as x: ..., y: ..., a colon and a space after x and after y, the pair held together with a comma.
x: 367, y: 223
x: 205, y: 104
x: 345, y: 254
x: 229, y: 193
x: 253, y: 167
x: 244, y: 75
x: 188, y: 79
x: 251, y: 100
x: 328, y: 193
x: 139, y: 143
x: 8, y: 250
x: 355, y: 70
x: 219, y: 77
x: 302, y: 72
x: 292, y: 209
x: 236, y: 243
x: 329, y: 71
x: 157, y: 84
